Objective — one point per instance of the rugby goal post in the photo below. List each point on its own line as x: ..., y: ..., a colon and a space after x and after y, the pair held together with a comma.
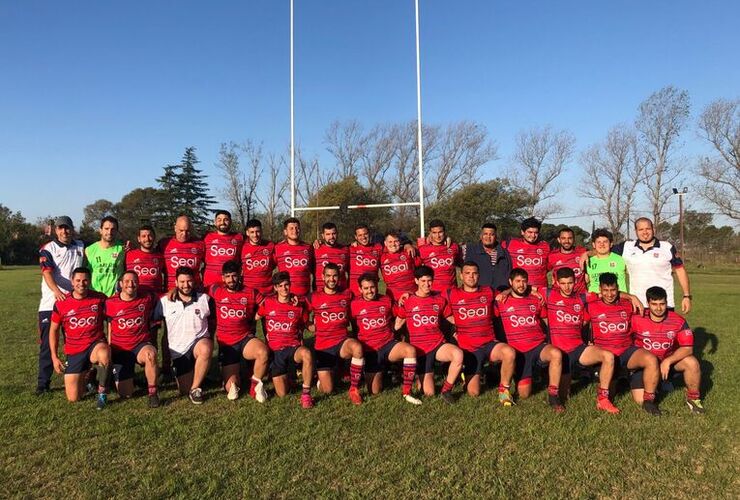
x: 420, y: 203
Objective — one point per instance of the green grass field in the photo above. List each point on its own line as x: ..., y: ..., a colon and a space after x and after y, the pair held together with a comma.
x: 54, y: 449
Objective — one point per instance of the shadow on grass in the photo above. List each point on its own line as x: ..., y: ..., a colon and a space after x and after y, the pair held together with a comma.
x: 705, y: 343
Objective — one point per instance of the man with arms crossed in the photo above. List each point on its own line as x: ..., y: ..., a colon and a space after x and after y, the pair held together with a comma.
x: 221, y: 246
x: 494, y: 261
x: 106, y: 258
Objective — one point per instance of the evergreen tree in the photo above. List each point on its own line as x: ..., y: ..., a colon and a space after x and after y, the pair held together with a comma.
x: 185, y: 192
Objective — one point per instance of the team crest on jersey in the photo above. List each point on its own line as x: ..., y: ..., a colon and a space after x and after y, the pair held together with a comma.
x: 141, y: 307
x: 94, y: 308
x: 670, y: 334
x: 233, y: 241
x: 482, y: 299
x: 197, y: 311
x: 265, y: 251
x: 435, y: 307
x: 343, y: 303
x: 656, y: 255
x: 532, y: 308
x: 193, y: 250
x: 114, y: 255
x: 578, y: 260
x: 539, y: 251
x: 577, y: 307
x: 382, y: 309
x: 305, y: 252
x: 291, y: 314
x: 403, y: 257
x: 612, y: 264
x: 449, y: 250
x: 243, y: 301
x: 623, y: 314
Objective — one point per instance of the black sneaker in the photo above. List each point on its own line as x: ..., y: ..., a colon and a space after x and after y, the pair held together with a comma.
x: 40, y: 391
x: 555, y: 403
x: 448, y: 398
x: 651, y: 407
x: 154, y: 400
x: 196, y: 396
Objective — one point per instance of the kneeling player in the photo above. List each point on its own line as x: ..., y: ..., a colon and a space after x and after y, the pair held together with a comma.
x: 472, y: 307
x: 129, y: 314
x: 330, y: 307
x: 80, y: 315
x: 285, y: 319
x: 236, y: 307
x: 422, y: 312
x: 372, y: 313
x: 667, y: 335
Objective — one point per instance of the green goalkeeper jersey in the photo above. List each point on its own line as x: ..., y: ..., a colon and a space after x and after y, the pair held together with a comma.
x: 107, y: 266
x: 613, y: 263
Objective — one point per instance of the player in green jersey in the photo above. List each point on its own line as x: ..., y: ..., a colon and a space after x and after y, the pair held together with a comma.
x: 106, y: 258
x: 602, y: 260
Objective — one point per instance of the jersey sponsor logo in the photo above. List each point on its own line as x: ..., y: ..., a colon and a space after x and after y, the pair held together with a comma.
x: 291, y: 262
x: 146, y: 271
x: 365, y: 261
x: 521, y: 260
x: 518, y: 321
x: 564, y: 317
x: 280, y: 326
x: 419, y: 320
x: 222, y: 252
x: 127, y: 324
x: 368, y: 323
x: 438, y: 262
x: 471, y: 313
x: 656, y: 346
x: 226, y: 312
x: 256, y: 263
x: 75, y: 322
x: 605, y: 327
x: 333, y: 317
x: 395, y: 269
x: 182, y: 261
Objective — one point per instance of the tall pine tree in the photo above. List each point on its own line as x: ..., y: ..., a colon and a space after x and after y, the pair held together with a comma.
x: 185, y: 192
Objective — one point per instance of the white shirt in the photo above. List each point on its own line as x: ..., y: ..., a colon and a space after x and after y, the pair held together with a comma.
x: 186, y: 322
x: 651, y: 267
x: 61, y: 260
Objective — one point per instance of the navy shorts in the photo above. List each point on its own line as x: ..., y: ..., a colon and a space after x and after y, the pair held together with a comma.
x: 570, y: 360
x: 79, y: 363
x: 232, y: 354
x: 636, y: 381
x: 624, y: 358
x: 526, y: 361
x: 185, y: 363
x: 425, y: 362
x: 474, y: 361
x: 375, y: 361
x: 125, y: 361
x: 328, y: 359
x: 282, y: 361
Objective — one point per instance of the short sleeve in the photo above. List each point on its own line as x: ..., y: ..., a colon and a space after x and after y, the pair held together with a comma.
x: 619, y: 248
x: 676, y: 261
x: 685, y: 336
x: 46, y: 261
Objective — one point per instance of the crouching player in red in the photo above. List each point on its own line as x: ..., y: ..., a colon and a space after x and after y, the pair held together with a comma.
x: 80, y: 315
x: 129, y: 314
x: 472, y: 308
x: 285, y: 319
x: 372, y: 314
x: 567, y: 317
x: 521, y: 316
x: 667, y: 335
x: 422, y: 313
x: 236, y: 307
x: 330, y: 307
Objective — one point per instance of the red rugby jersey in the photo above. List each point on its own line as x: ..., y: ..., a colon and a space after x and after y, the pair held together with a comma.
x: 557, y: 260
x: 662, y: 338
x: 397, y: 270
x: 363, y: 259
x: 297, y: 260
x: 235, y: 311
x: 149, y: 266
x: 220, y: 248
x: 444, y: 260
x: 565, y: 318
x: 130, y: 320
x: 339, y: 255
x: 284, y: 322
x: 81, y: 321
x: 473, y: 313
x: 258, y: 263
x: 178, y: 254
x: 423, y: 315
x: 373, y: 319
x: 610, y: 323
x: 330, y: 317
x: 532, y: 257
x: 520, y: 318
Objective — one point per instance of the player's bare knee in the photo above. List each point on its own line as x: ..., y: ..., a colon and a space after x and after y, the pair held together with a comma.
x: 607, y: 359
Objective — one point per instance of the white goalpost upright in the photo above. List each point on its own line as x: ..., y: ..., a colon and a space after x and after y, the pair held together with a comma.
x: 420, y: 203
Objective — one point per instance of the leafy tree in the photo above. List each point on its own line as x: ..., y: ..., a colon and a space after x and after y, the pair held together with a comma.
x: 140, y: 206
x: 19, y: 240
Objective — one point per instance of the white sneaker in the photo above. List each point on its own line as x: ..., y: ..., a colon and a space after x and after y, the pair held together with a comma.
x: 233, y: 394
x: 411, y: 399
x: 260, y: 394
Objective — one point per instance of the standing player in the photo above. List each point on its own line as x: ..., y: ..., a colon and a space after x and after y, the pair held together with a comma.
x: 182, y: 250
x: 422, y: 313
x: 603, y: 260
x: 372, y: 313
x: 611, y: 314
x: 330, y: 250
x: 397, y: 268
x: 285, y: 320
x: 129, y: 314
x: 521, y: 317
x: 530, y: 252
x: 364, y: 257
x: 295, y: 257
x: 236, y: 308
x: 567, y: 255
x: 80, y: 316
x: 221, y: 246
x: 667, y: 335
x: 472, y: 307
x: 258, y: 259
x: 106, y: 258
x: 57, y: 258
x: 442, y: 258
x: 330, y: 307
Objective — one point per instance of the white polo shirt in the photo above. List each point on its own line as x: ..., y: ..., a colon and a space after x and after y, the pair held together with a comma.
x: 186, y: 322
x: 651, y: 267
x: 61, y: 260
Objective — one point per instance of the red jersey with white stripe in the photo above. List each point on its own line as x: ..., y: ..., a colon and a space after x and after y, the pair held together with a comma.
x: 444, y: 261
x: 176, y: 254
x: 423, y: 315
x: 532, y: 257
x: 610, y: 323
x: 284, y: 322
x: 81, y: 321
x: 149, y: 267
x: 235, y: 311
x: 363, y: 259
x: 558, y: 260
x: 220, y: 248
x: 473, y: 312
x: 373, y: 319
x: 297, y: 260
x: 130, y: 320
x: 520, y: 317
x: 339, y: 255
x: 565, y: 318
x: 397, y: 270
x: 258, y: 263
x: 662, y: 338
x: 330, y: 317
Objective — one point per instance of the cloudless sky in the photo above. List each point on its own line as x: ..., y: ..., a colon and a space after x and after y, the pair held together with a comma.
x: 96, y: 97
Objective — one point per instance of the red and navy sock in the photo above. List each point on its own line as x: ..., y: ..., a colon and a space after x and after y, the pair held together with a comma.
x: 692, y: 395
x: 152, y: 389
x: 447, y: 387
x: 355, y: 372
x: 503, y: 388
x: 602, y: 394
x: 648, y: 396
x: 307, y: 389
x: 409, y: 369
x: 552, y: 390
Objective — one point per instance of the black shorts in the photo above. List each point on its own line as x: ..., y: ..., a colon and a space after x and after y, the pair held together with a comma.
x: 375, y: 361
x: 474, y: 361
x: 282, y: 361
x: 425, y: 362
x: 526, y: 361
x: 79, y: 363
x: 232, y: 354
x: 124, y: 361
x: 623, y: 359
x: 570, y: 360
x: 636, y: 381
x: 185, y: 363
x: 328, y: 359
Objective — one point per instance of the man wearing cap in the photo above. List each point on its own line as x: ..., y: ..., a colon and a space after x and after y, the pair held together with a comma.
x: 57, y: 258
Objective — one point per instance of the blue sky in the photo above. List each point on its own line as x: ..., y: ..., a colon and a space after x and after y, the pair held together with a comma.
x: 95, y: 97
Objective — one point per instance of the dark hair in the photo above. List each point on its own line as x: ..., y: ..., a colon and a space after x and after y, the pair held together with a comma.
x: 608, y: 279
x: 290, y: 220
x: 566, y: 229
x: 393, y: 233
x: 640, y: 219
x: 187, y: 271
x: 82, y: 270
x: 362, y: 226
x: 147, y: 227
x: 564, y: 272
x: 280, y: 277
x: 130, y: 271
x: 437, y: 223
x: 231, y: 266
x: 656, y: 293
x: 109, y: 218
x: 367, y: 277
x: 222, y: 212
x: 489, y: 225
x: 253, y: 223
x: 328, y: 225
x: 518, y: 272
x: 530, y: 222
x: 331, y: 265
x: 602, y: 233
x: 470, y: 263
x: 423, y: 271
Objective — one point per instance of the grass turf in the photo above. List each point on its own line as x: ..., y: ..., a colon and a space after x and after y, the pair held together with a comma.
x: 52, y: 448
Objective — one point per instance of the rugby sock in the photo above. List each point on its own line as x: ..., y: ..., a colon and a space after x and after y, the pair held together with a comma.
x: 552, y: 390
x: 503, y: 388
x: 409, y: 368
x: 102, y: 378
x: 602, y: 394
x: 152, y: 389
x: 307, y: 389
x: 447, y: 387
x: 355, y: 371
x: 648, y: 396
x: 253, y: 385
x: 692, y: 395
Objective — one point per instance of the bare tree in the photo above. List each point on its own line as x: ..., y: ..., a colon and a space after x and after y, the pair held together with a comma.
x: 539, y: 159
x: 273, y: 197
x: 347, y: 143
x: 719, y: 124
x: 662, y: 117
x: 614, y: 169
x: 309, y: 177
x: 241, y: 188
x: 377, y: 158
